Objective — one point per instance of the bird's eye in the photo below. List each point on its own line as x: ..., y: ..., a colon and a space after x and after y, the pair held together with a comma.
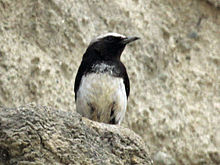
x: 110, y: 38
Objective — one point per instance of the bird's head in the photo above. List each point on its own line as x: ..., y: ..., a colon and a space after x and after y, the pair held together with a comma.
x: 110, y: 45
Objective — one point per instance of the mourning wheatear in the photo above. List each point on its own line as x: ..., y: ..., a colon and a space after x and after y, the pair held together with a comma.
x: 102, y: 85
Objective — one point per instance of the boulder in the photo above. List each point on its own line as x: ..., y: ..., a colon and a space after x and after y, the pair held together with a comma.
x: 41, y: 135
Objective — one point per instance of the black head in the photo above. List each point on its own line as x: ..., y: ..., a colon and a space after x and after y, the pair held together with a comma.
x: 108, y: 46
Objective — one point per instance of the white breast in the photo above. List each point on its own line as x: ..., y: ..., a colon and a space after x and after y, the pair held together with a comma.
x: 102, y: 91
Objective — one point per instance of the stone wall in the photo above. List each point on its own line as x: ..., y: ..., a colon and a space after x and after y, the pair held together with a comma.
x: 174, y: 69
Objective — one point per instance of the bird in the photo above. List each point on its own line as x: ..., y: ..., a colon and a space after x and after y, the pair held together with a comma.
x: 102, y: 84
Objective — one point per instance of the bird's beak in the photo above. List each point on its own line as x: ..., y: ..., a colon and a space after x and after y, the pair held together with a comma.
x: 128, y: 40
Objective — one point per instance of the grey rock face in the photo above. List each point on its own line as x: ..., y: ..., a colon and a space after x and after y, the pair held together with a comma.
x: 216, y: 3
x: 174, y: 69
x: 161, y: 158
x: 39, y: 135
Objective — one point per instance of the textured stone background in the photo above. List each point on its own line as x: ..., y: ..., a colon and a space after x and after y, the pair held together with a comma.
x: 38, y: 135
x: 174, y: 69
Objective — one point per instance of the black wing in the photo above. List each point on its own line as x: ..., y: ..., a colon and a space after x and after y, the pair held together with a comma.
x: 127, y: 83
x: 122, y: 72
x: 80, y: 73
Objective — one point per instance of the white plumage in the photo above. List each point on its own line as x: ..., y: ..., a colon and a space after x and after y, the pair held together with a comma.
x: 105, y: 35
x: 104, y: 93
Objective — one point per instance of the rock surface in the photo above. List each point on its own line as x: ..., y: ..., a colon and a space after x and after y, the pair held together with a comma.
x: 174, y: 69
x: 40, y: 135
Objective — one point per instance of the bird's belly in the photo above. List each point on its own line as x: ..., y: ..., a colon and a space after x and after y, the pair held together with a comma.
x: 99, y: 94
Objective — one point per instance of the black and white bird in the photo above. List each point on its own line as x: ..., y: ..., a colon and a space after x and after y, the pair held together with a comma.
x: 102, y: 85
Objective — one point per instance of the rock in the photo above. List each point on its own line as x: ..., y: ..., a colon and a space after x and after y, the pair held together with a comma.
x: 40, y: 135
x: 161, y: 158
x: 174, y: 69
x: 215, y: 3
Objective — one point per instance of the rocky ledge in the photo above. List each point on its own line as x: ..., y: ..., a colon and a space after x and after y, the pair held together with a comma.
x: 42, y: 135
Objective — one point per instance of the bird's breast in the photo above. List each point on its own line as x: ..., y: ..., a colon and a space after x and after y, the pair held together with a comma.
x: 112, y: 70
x: 100, y: 92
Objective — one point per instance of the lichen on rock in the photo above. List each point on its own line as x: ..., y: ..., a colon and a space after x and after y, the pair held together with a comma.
x: 174, y: 68
x: 41, y: 135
